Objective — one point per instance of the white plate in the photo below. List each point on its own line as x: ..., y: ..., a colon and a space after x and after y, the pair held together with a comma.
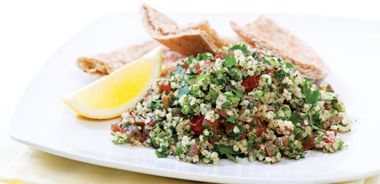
x: 350, y: 48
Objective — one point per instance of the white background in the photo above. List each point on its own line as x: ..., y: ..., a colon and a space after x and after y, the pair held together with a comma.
x: 31, y: 31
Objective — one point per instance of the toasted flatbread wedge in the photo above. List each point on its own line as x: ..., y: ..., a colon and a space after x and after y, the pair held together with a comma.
x: 105, y: 63
x: 229, y: 41
x: 189, y: 40
x: 264, y: 33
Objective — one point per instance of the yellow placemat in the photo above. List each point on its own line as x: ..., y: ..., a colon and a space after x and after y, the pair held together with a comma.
x: 38, y: 167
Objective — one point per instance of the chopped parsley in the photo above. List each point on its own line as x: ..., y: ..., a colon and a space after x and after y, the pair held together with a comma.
x: 238, y: 102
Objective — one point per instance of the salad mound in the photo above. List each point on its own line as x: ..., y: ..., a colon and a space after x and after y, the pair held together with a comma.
x: 236, y: 103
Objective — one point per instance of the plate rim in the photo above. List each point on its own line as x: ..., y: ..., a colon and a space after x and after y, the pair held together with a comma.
x: 175, y: 174
x: 169, y: 173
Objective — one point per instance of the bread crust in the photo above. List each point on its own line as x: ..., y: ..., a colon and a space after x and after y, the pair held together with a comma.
x: 105, y: 63
x: 191, y: 39
x: 264, y: 33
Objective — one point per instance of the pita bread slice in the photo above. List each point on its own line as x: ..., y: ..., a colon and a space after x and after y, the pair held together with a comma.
x: 105, y: 63
x: 264, y: 33
x: 229, y: 41
x: 188, y: 40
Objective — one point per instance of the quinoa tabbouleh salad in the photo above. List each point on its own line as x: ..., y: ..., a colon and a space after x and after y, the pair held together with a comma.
x: 236, y: 103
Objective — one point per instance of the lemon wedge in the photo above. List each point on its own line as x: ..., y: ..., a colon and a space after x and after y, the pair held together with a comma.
x: 112, y: 95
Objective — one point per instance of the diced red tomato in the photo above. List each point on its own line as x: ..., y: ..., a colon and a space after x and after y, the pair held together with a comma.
x: 194, y: 150
x: 269, y: 149
x: 330, y: 138
x: 165, y: 87
x: 214, y: 126
x: 260, y: 128
x: 243, y: 136
x: 269, y: 153
x: 309, y: 144
x: 219, y: 55
x: 132, y: 114
x: 258, y: 115
x: 270, y: 71
x: 228, y: 127
x: 284, y: 139
x: 166, y: 99
x: 257, y: 105
x: 196, y: 124
x: 198, y: 68
x: 250, y: 83
x: 140, y: 124
x: 229, y: 53
x: 133, y: 132
x: 152, y: 123
x: 115, y: 128
x: 185, y: 66
x: 282, y: 142
x: 222, y: 113
x: 209, y: 63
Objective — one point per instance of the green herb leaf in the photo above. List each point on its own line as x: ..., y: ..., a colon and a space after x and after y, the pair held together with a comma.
x: 212, y: 94
x: 271, y: 60
x: 163, y: 153
x: 205, y: 56
x: 290, y: 67
x: 235, y: 75
x: 284, y: 112
x: 255, y: 55
x: 185, y: 110
x: 341, y: 145
x: 250, y: 142
x: 280, y: 74
x: 338, y: 106
x: 294, y: 118
x: 229, y: 61
x: 309, y: 82
x: 316, y: 128
x: 315, y: 118
x: 298, y: 132
x: 202, y: 77
x: 232, y: 99
x: 231, y: 119
x: 238, y: 93
x: 223, y: 149
x: 297, y: 155
x: 155, y: 105
x: 179, y: 150
x: 315, y: 96
x: 226, y: 151
x: 231, y: 157
x: 315, y: 122
x: 241, y: 47
x: 194, y: 90
x: 256, y: 94
x: 311, y: 97
x: 190, y: 60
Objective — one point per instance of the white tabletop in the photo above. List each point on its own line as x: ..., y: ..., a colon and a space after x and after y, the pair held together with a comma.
x: 31, y: 31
